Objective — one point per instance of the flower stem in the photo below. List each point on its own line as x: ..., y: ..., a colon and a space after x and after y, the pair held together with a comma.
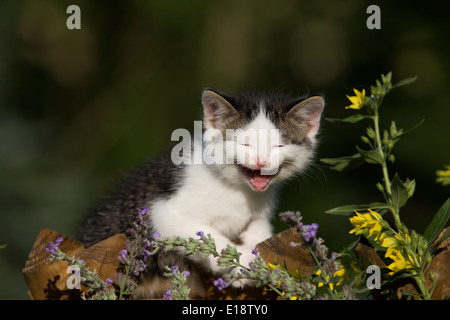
x: 387, y: 180
x: 421, y: 282
x: 420, y: 276
x: 125, y: 284
x: 378, y: 144
x: 322, y: 273
x: 275, y: 289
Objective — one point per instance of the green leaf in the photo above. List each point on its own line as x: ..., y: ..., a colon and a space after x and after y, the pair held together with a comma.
x: 399, y: 194
x: 370, y: 156
x: 3, y: 246
x: 352, y: 245
x: 437, y: 243
x: 404, y: 82
x: 351, y: 119
x: 438, y: 223
x: 350, y: 208
x: 400, y: 135
x: 344, y: 163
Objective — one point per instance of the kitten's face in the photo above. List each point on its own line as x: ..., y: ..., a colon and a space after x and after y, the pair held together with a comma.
x: 265, y: 138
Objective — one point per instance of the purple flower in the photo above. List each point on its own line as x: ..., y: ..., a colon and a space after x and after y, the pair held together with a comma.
x: 311, y: 231
x: 141, y: 268
x: 51, y: 247
x: 54, y: 246
x: 167, y: 295
x: 108, y: 281
x: 288, y: 214
x: 123, y: 254
x: 201, y: 234
x: 255, y: 251
x: 220, y: 284
x: 186, y: 273
x: 334, y: 255
x: 174, y: 269
x: 146, y: 243
x: 293, y: 244
x: 147, y: 254
x: 156, y: 235
x: 143, y: 211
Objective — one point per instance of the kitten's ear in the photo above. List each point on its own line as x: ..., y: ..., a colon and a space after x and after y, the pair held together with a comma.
x: 309, y: 111
x: 216, y: 109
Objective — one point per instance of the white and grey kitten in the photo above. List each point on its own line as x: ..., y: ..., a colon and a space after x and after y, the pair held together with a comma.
x: 231, y: 198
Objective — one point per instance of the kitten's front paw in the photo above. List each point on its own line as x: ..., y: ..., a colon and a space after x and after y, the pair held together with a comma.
x: 245, y: 259
x: 241, y: 283
x: 247, y: 256
x: 209, y: 263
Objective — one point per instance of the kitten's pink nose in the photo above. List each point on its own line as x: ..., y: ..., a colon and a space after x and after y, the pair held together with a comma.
x: 261, y: 163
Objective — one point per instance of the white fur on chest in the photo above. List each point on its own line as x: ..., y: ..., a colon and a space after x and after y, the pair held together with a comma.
x: 205, y: 200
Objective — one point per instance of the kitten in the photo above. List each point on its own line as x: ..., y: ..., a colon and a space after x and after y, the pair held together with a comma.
x: 257, y: 140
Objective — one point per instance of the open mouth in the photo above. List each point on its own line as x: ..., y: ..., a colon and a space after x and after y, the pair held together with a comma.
x: 257, y: 180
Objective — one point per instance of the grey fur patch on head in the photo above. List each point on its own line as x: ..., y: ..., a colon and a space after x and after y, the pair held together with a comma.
x: 292, y: 116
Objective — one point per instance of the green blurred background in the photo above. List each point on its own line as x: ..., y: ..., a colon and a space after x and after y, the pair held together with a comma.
x: 80, y: 107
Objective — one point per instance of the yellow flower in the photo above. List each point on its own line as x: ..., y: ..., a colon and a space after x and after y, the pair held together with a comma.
x: 391, y: 244
x: 341, y: 274
x: 376, y: 215
x: 359, y: 221
x: 273, y: 266
x: 444, y: 173
x: 319, y: 272
x: 403, y: 238
x: 327, y: 279
x: 295, y: 273
x: 443, y: 176
x: 367, y: 222
x: 399, y: 263
x: 358, y: 101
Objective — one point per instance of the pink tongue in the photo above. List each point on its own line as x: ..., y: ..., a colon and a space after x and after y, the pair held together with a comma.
x: 259, y: 182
